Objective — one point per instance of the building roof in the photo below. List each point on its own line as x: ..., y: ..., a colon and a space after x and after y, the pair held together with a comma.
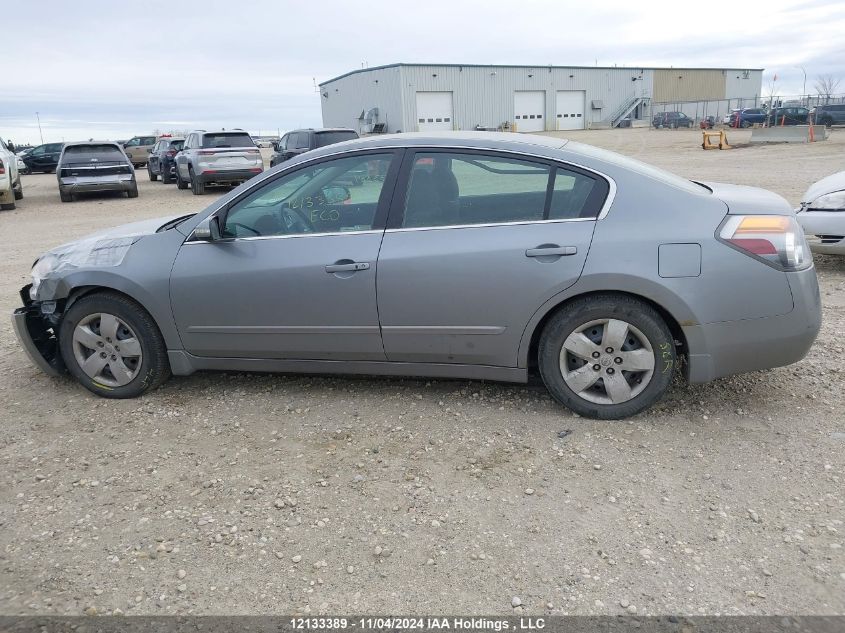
x: 400, y: 64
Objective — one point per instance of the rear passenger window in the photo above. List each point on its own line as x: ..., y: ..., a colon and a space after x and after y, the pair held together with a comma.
x: 453, y: 189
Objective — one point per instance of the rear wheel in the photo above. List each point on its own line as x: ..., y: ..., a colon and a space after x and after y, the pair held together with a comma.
x: 17, y: 189
x: 66, y: 196
x: 153, y: 177
x: 197, y: 185
x: 112, y: 346
x: 133, y: 191
x: 180, y: 184
x: 165, y: 175
x: 607, y: 356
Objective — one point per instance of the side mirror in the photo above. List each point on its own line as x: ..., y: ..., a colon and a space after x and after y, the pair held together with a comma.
x: 336, y: 194
x: 207, y: 230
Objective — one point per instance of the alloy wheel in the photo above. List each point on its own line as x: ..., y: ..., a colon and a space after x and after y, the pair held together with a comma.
x: 607, y: 361
x: 107, y: 349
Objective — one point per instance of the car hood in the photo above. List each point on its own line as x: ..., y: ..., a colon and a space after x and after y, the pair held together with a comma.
x: 749, y: 200
x: 834, y: 182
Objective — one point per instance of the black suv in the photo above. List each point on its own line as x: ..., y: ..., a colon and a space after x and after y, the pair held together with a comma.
x: 299, y: 141
x: 792, y: 115
x: 829, y: 114
x: 161, y: 161
x: 671, y: 119
x: 43, y: 158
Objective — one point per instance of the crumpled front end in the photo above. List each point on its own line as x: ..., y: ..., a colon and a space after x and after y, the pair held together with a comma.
x: 36, y: 326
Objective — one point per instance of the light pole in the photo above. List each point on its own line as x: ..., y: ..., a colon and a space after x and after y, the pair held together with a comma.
x: 40, y: 133
x: 804, y: 90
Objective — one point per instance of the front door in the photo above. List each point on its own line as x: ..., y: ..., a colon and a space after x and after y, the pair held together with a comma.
x: 477, y: 244
x: 294, y: 274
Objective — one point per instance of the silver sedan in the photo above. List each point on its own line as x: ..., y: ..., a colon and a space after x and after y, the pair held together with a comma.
x: 484, y: 256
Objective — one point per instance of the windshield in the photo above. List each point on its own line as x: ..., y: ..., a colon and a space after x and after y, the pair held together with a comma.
x: 227, y: 139
x: 87, y: 153
x: 330, y: 138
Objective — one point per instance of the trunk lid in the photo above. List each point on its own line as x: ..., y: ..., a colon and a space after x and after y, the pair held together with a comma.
x: 743, y: 200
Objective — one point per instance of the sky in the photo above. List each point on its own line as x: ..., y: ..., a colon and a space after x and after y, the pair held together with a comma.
x: 105, y: 69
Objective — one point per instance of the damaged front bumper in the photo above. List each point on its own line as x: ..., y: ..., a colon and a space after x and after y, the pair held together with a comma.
x: 36, y: 330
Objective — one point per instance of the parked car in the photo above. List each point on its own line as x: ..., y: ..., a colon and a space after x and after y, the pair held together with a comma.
x: 671, y: 120
x: 265, y: 141
x: 22, y: 168
x: 747, y: 117
x: 828, y: 115
x: 478, y: 256
x: 162, y: 159
x: 44, y: 158
x: 707, y: 123
x: 788, y: 116
x: 822, y: 215
x: 10, y: 178
x: 222, y: 158
x: 138, y: 149
x: 726, y: 120
x: 89, y: 166
x: 300, y: 141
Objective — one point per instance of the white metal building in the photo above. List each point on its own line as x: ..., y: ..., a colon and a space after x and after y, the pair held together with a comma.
x: 420, y: 97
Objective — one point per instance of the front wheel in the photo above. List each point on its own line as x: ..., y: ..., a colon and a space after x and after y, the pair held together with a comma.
x: 112, y: 346
x: 607, y: 356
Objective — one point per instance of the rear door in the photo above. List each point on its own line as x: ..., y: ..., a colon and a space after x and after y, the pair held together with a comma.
x: 476, y: 243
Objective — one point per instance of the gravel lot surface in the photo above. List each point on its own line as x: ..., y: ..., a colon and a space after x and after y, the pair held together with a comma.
x: 246, y: 493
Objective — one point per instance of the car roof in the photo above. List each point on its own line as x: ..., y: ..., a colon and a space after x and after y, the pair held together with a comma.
x: 482, y: 140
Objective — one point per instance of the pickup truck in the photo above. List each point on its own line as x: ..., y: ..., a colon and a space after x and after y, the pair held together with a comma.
x: 10, y: 178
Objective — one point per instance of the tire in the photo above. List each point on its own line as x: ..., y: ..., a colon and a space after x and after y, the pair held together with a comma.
x: 8, y: 207
x: 133, y: 192
x: 745, y: 124
x: 153, y: 177
x: 197, y: 186
x: 644, y: 329
x: 827, y: 122
x: 165, y: 176
x: 180, y: 184
x: 19, y: 191
x: 66, y: 196
x: 133, y: 374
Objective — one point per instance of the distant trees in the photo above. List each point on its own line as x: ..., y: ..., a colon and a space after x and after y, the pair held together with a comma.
x: 826, y: 86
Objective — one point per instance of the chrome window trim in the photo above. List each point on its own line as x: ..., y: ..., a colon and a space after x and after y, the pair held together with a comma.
x: 486, y: 224
x: 278, y: 237
x: 611, y: 193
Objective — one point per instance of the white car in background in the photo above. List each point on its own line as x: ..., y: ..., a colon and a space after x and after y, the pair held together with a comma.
x: 822, y: 215
x: 10, y: 178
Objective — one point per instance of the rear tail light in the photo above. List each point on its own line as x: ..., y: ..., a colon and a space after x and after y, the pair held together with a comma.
x: 2, y: 167
x: 171, y: 152
x: 777, y: 240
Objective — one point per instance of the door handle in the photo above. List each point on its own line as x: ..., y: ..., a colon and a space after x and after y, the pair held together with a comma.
x: 551, y: 251
x: 351, y: 267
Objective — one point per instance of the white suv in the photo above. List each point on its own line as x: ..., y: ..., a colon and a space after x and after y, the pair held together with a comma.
x: 10, y: 178
x: 227, y: 157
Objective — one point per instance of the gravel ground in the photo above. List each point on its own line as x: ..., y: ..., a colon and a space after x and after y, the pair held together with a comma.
x: 244, y: 493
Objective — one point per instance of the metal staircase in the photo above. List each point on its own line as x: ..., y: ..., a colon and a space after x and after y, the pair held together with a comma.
x: 626, y: 108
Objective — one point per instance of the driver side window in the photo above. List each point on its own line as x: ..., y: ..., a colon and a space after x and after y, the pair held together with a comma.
x: 334, y: 196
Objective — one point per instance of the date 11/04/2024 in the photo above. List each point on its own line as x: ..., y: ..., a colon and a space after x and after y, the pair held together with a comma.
x: 419, y: 623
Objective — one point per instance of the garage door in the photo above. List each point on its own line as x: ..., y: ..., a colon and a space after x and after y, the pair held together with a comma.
x: 529, y: 108
x: 434, y: 111
x: 570, y: 109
